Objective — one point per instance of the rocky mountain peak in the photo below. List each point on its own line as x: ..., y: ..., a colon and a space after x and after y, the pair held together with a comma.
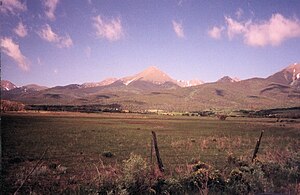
x: 7, y: 85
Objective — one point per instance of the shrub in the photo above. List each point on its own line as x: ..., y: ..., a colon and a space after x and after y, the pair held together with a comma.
x: 216, y: 181
x: 247, y: 179
x: 167, y: 186
x: 108, y: 179
x: 174, y: 186
x: 222, y: 117
x: 236, y: 184
x: 135, y: 173
x: 107, y: 154
x: 7, y: 105
x: 281, y: 175
x: 197, y: 180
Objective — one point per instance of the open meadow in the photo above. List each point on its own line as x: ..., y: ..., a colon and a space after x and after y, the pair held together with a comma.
x: 77, y: 151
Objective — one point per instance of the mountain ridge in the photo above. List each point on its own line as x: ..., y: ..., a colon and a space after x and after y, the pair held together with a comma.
x: 285, y: 76
x: 227, y: 79
x: 143, y: 92
x: 151, y: 74
x: 7, y: 85
x: 104, y: 82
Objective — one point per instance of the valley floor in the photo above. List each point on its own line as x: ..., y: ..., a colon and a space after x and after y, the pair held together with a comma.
x: 80, y: 149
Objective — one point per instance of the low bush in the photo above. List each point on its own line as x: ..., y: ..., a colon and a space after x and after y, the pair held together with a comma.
x: 107, y: 154
x: 216, y: 182
x: 135, y: 174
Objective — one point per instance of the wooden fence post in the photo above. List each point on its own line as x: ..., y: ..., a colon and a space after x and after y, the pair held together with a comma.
x: 151, y: 152
x: 257, y: 145
x: 159, y: 161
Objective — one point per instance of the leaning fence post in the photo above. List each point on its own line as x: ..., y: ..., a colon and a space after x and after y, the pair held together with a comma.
x: 159, y: 161
x: 151, y: 152
x: 257, y: 145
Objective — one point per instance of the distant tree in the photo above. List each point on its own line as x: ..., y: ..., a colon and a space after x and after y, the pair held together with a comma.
x: 7, y: 105
x: 222, y: 117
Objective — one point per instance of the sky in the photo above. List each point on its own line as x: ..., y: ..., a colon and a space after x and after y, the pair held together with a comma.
x: 60, y: 42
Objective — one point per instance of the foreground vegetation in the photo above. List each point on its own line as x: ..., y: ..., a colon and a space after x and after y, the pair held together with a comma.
x: 111, y: 153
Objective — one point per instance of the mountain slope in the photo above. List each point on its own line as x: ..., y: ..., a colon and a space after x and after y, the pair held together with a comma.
x: 287, y: 75
x: 98, y: 84
x: 7, y: 85
x: 151, y: 74
x: 227, y: 79
x: 35, y: 87
x: 157, y: 77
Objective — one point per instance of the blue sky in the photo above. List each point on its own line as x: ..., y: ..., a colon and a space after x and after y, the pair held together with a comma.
x: 59, y: 42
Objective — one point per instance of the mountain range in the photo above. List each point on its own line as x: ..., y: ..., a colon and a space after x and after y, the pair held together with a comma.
x: 154, y: 89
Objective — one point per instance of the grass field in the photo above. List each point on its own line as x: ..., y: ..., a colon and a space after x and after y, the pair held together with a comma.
x: 77, y: 141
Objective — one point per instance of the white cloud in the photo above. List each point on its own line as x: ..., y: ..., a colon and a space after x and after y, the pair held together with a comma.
x: 261, y: 33
x: 13, y: 50
x: 272, y: 32
x: 108, y: 29
x: 216, y: 32
x: 234, y: 28
x: 65, y: 41
x: 50, y: 8
x: 178, y: 29
x: 47, y: 34
x: 21, y: 30
x: 239, y: 12
x: 12, y: 6
x: 88, y: 52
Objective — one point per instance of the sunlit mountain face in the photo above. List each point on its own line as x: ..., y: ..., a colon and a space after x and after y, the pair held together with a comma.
x: 153, y: 88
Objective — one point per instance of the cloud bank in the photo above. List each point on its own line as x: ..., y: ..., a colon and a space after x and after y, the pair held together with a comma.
x: 272, y: 32
x: 10, y: 48
x: 111, y: 30
x: 48, y: 35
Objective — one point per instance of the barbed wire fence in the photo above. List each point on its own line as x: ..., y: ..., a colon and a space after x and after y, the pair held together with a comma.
x: 69, y: 169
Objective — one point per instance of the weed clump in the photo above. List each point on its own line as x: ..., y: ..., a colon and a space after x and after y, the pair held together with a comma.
x: 135, y: 173
x: 197, y: 179
x: 246, y: 179
x: 107, y: 154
